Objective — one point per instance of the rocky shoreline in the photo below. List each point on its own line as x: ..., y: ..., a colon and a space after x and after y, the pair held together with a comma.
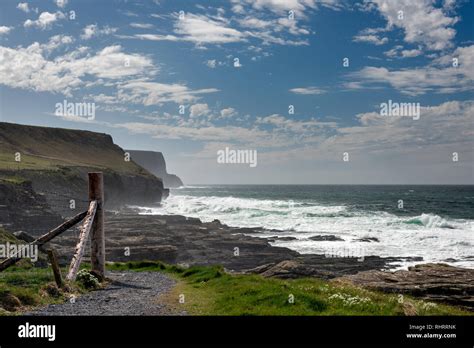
x: 178, y: 239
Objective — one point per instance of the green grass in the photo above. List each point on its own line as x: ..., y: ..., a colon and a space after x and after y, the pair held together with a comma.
x: 8, y: 237
x: 102, y: 160
x: 7, y: 161
x: 29, y: 287
x: 13, y: 179
x: 211, y: 291
x: 24, y: 287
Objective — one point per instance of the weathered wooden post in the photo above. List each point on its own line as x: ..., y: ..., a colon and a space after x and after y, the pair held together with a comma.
x: 96, y: 193
x: 81, y: 244
x: 55, y: 266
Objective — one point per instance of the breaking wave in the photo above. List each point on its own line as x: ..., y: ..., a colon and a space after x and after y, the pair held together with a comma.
x: 428, y: 235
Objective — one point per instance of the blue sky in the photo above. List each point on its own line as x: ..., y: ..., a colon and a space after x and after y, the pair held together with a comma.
x: 139, y: 61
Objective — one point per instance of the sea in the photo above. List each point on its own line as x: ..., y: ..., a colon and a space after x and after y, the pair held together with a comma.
x: 435, y: 223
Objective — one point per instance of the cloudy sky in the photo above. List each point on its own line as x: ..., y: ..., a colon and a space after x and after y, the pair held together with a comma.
x: 189, y: 78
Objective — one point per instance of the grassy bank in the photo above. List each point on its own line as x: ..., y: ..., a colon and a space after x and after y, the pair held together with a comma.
x: 211, y: 291
x: 24, y: 287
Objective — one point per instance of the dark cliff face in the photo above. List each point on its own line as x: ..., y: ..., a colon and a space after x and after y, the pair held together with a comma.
x: 155, y: 163
x: 55, y: 163
x: 22, y: 209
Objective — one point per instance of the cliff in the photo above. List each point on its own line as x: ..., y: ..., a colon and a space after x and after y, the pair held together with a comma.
x: 155, y: 163
x: 43, y: 174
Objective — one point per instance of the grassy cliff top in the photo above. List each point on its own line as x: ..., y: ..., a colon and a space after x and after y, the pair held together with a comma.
x: 50, y: 148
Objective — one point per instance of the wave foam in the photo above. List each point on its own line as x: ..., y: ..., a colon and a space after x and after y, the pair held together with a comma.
x: 430, y: 236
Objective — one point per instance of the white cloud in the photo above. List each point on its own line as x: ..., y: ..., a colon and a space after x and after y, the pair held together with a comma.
x: 253, y: 22
x: 228, y: 112
x: 307, y: 90
x: 61, y: 3
x: 5, y: 30
x: 439, y: 77
x: 57, y: 41
x: 151, y: 37
x: 197, y: 110
x: 211, y: 63
x: 210, y: 29
x: 45, y: 20
x: 141, y: 25
x: 422, y: 22
x: 373, y: 39
x: 154, y: 93
x: 23, y: 6
x: 299, y: 6
x: 209, y: 133
x: 93, y: 30
x: 439, y: 126
x: 28, y: 68
x: 204, y: 30
x: 399, y: 52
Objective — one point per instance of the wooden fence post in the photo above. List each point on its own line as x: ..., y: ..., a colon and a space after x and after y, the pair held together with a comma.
x: 96, y: 193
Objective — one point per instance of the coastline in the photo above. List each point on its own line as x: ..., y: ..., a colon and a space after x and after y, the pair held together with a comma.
x: 176, y: 239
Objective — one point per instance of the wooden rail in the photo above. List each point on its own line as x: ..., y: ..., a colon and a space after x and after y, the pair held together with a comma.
x: 46, y: 238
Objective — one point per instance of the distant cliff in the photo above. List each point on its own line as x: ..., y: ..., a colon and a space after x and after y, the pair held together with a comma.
x: 52, y: 163
x: 155, y: 163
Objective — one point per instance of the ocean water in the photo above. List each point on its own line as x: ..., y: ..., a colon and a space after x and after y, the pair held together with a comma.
x: 435, y: 222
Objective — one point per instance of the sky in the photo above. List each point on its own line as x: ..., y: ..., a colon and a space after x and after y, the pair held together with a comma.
x: 301, y: 82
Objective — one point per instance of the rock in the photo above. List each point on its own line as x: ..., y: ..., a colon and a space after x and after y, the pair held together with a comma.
x: 367, y: 239
x: 286, y: 269
x: 285, y: 238
x: 319, y: 266
x: 177, y: 239
x: 22, y: 209
x: 433, y: 282
x: 327, y: 238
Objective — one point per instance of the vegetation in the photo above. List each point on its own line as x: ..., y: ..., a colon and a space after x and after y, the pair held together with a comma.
x: 87, y: 279
x: 8, y: 237
x: 50, y: 149
x: 23, y: 286
x: 12, y: 179
x: 211, y: 291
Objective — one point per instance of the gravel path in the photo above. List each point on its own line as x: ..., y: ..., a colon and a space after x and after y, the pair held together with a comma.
x: 129, y: 293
